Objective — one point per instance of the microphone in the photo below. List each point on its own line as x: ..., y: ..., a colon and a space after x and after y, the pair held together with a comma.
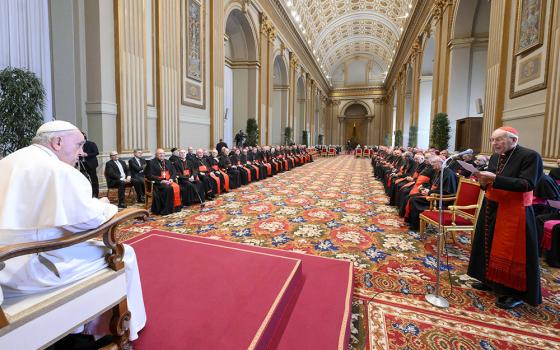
x: 461, y: 154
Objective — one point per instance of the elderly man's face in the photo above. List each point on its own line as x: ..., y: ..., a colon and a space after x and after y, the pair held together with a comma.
x: 114, y: 156
x: 182, y: 154
x: 436, y: 164
x: 419, y: 158
x: 199, y: 153
x: 191, y: 151
x: 138, y: 154
x: 160, y: 154
x: 68, y: 146
x: 501, y: 142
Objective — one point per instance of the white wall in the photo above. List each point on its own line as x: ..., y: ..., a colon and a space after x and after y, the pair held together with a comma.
x: 424, y: 110
x: 276, y: 132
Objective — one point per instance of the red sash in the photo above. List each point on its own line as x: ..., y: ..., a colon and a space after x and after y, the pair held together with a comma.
x: 256, y: 170
x: 176, y: 189
x: 245, y: 169
x: 218, y: 182
x: 419, y: 181
x: 202, y: 168
x: 176, y: 194
x: 187, y: 172
x: 226, y: 180
x: 507, y: 261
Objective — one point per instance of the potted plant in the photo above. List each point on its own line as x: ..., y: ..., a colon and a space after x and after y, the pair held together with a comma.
x: 304, y: 138
x: 440, y: 131
x: 287, y: 135
x: 413, y: 136
x: 22, y: 98
x: 398, y: 138
x: 387, y: 139
x: 252, y: 132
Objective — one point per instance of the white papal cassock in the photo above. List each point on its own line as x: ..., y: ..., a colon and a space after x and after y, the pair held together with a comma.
x: 43, y: 198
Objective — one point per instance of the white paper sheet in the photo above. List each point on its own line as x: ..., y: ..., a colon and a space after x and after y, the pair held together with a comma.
x: 468, y: 167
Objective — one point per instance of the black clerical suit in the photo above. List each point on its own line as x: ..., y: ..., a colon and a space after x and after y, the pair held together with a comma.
x: 163, y: 194
x: 518, y: 170
x: 192, y: 189
x: 137, y: 166
x: 90, y: 163
x: 114, y: 179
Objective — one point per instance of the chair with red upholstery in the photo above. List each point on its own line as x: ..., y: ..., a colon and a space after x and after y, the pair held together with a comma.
x: 332, y: 152
x: 324, y: 152
x: 358, y: 152
x: 366, y: 152
x: 461, y: 215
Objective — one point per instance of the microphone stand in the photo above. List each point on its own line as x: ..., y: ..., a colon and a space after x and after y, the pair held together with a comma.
x: 436, y: 299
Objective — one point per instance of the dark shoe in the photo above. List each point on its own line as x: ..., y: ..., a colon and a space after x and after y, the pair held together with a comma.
x: 121, y: 205
x: 507, y: 303
x: 481, y: 286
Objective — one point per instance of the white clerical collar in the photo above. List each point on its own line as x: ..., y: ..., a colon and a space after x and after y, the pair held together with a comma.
x: 46, y: 150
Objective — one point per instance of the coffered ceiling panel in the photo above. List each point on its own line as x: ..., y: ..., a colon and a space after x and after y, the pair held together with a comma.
x: 337, y: 30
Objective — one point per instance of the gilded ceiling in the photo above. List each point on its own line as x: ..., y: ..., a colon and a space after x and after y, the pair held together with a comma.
x: 338, y: 30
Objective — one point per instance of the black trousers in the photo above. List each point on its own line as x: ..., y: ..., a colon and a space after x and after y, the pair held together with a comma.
x: 92, y: 173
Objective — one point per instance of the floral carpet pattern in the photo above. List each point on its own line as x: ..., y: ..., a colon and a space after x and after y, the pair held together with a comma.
x: 333, y: 207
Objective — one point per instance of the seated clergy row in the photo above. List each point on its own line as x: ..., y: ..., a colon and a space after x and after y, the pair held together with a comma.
x: 188, y: 178
x: 506, y: 241
x: 409, y: 175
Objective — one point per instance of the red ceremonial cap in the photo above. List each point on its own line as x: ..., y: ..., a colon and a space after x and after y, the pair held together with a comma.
x: 510, y: 129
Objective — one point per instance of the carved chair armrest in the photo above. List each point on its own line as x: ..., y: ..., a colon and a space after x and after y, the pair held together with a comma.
x: 454, y: 211
x: 433, y: 199
x: 460, y: 207
x: 107, y: 230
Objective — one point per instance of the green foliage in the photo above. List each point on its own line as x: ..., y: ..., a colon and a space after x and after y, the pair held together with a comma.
x: 320, y: 141
x: 22, y: 98
x: 252, y: 132
x: 440, y: 131
x: 304, y: 138
x: 413, y: 136
x: 398, y: 138
x: 288, y: 135
x: 387, y: 139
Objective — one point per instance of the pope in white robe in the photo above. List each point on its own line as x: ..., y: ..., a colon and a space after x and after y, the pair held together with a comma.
x: 42, y: 196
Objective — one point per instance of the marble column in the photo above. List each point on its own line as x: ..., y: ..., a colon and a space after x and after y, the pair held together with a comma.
x: 498, y: 39
x: 551, y: 135
x: 216, y: 79
x: 101, y: 99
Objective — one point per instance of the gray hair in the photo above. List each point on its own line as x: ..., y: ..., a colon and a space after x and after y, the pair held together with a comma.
x: 45, y: 138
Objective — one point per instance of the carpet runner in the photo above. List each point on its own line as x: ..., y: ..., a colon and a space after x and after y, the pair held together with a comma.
x: 209, y: 294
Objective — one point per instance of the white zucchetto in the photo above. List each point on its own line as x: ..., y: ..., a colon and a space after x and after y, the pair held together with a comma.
x: 56, y: 125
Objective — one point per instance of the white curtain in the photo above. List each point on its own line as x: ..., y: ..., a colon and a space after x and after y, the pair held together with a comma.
x: 25, y: 41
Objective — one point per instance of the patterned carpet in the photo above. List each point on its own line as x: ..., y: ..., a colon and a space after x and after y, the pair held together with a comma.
x: 334, y: 207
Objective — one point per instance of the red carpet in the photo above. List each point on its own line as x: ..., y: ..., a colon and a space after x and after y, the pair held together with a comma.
x: 209, y: 294
x: 199, y: 295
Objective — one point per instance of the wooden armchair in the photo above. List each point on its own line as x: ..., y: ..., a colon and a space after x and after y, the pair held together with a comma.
x: 461, y: 215
x: 324, y: 152
x: 36, y: 321
x: 148, y: 193
x: 332, y: 152
x: 358, y: 152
